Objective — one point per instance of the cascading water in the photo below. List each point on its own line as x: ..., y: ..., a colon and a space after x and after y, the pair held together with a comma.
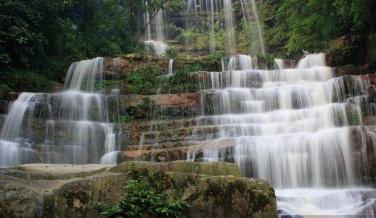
x: 170, y: 67
x: 157, y: 46
x: 76, y: 123
x: 290, y: 127
x: 229, y: 25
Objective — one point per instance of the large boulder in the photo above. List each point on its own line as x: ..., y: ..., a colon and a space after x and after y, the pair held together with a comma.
x: 212, y: 189
x: 47, y: 190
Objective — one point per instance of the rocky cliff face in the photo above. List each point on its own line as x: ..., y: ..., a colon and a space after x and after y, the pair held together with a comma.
x: 212, y: 189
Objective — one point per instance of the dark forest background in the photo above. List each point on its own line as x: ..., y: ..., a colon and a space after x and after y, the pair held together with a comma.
x: 40, y: 38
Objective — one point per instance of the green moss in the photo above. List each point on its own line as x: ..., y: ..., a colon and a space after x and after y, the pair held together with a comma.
x: 223, y: 194
x: 259, y: 200
x: 160, y: 181
x: 353, y: 118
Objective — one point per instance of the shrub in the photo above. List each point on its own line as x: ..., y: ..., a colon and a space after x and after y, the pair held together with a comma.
x: 143, y: 82
x: 4, y: 90
x: 140, y: 201
x: 25, y: 80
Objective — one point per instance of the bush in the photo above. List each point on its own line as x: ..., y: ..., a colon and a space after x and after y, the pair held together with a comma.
x: 143, y: 82
x: 180, y: 82
x: 140, y: 201
x: 173, y: 31
x: 4, y: 90
x: 171, y: 53
x: 25, y: 81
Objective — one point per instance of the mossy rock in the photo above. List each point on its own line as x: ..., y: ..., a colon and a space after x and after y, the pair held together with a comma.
x: 213, y: 169
x: 212, y: 189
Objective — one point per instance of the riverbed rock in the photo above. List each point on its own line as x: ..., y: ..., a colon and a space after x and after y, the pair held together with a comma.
x: 212, y: 189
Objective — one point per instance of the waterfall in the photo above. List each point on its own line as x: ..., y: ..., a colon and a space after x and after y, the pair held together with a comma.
x: 82, y: 75
x: 170, y: 67
x: 147, y: 23
x: 158, y: 47
x: 229, y: 25
x: 154, y: 45
x: 242, y: 62
x: 14, y: 149
x: 286, y: 118
x: 111, y: 152
x: 211, y: 14
x: 64, y: 127
x: 279, y: 64
x: 220, y: 14
x: 290, y: 127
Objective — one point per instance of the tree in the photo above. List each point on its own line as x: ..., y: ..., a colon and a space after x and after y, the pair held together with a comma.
x: 23, y: 29
x: 294, y: 25
x: 357, y: 16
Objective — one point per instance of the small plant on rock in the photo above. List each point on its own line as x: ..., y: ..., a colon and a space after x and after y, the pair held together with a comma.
x: 141, y: 201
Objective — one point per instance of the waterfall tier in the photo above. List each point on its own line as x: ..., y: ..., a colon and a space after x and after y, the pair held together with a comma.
x: 76, y: 122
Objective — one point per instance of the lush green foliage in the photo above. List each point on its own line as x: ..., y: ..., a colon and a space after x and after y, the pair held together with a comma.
x: 4, y: 90
x: 25, y: 80
x: 197, y: 39
x: 143, y: 82
x: 47, y: 35
x: 182, y: 81
x: 144, y: 198
x: 293, y: 25
x: 24, y: 29
x: 141, y: 201
x: 149, y: 80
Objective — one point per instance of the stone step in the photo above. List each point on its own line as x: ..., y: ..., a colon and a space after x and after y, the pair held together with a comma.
x: 113, y: 107
x: 362, y: 140
x: 166, y: 145
x: 194, y: 133
x: 188, y: 150
x: 164, y: 132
